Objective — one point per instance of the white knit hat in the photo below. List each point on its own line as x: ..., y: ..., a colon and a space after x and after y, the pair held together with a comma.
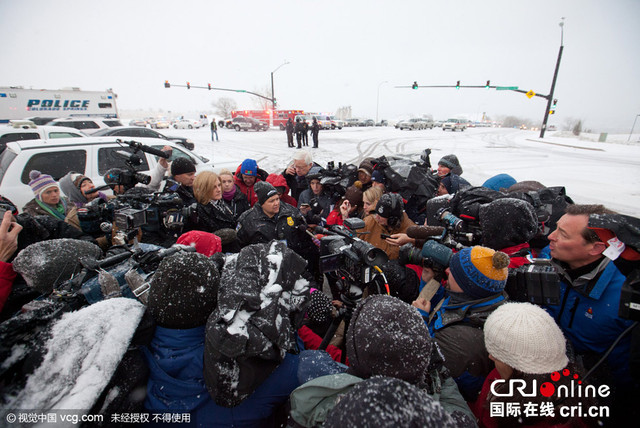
x: 526, y: 338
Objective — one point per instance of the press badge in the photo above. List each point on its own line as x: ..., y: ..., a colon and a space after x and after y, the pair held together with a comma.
x: 615, y: 248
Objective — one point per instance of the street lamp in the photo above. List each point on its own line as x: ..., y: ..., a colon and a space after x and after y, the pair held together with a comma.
x: 634, y: 125
x: 273, y: 98
x: 378, y: 98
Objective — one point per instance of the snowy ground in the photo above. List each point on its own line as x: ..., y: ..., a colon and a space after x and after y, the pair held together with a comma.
x: 592, y: 172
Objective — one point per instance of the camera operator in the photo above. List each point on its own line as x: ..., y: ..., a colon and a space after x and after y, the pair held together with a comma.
x: 313, y: 203
x: 590, y: 294
x: 476, y: 278
x: 387, y: 227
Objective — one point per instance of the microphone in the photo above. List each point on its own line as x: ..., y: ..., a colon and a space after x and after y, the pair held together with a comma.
x: 97, y: 189
x: 139, y: 146
x: 424, y: 232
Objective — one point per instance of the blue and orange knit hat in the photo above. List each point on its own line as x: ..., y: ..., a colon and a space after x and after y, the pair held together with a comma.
x: 480, y: 271
x: 40, y: 182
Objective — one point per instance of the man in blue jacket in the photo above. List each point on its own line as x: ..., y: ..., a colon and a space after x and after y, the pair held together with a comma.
x: 589, y: 299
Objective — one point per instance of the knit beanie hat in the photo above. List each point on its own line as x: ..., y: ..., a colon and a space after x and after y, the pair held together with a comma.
x: 378, y: 176
x: 320, y: 308
x: 40, y: 182
x: 387, y: 337
x: 249, y: 167
x: 388, y: 403
x: 366, y: 166
x: 204, y: 242
x: 78, y: 179
x: 499, y: 182
x: 182, y: 166
x: 264, y: 191
x: 46, y: 264
x: 526, y: 338
x: 451, y: 162
x: 507, y: 222
x: 480, y: 271
x: 184, y: 290
x: 390, y: 205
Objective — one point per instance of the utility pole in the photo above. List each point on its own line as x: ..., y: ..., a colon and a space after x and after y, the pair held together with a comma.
x: 543, y: 128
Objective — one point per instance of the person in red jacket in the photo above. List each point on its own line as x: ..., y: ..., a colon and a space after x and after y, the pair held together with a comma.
x: 9, y: 231
x: 246, y: 177
x: 280, y: 183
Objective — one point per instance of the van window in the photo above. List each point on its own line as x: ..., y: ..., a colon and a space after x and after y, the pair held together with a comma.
x: 109, y: 158
x: 19, y: 136
x: 64, y: 135
x: 112, y: 122
x: 6, y: 158
x: 56, y: 164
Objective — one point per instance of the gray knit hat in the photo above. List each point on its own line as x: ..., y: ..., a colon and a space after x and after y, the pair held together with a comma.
x: 526, y: 338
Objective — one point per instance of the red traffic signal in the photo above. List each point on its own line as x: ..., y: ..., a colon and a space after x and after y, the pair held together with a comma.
x: 167, y: 84
x: 188, y: 85
x: 209, y: 85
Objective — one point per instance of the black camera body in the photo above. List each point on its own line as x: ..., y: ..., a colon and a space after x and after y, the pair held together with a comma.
x: 630, y: 297
x: 537, y: 283
x: 354, y: 260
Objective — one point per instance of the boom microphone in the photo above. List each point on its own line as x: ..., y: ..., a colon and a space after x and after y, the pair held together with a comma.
x: 424, y: 232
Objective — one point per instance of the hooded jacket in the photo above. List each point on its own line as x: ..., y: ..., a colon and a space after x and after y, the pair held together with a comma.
x: 249, y: 192
x: 403, y: 350
x: 278, y: 180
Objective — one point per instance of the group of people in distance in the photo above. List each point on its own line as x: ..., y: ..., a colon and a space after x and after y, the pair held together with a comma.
x: 249, y: 330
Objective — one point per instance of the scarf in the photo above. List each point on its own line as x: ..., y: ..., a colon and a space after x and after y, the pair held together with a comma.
x: 57, y: 211
x: 228, y: 196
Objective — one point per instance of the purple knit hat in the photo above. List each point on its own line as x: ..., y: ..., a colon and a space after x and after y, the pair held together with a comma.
x: 40, y: 182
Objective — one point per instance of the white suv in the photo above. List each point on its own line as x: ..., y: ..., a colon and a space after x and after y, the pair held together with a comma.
x: 22, y: 132
x: 454, y: 125
x: 91, y: 156
x: 88, y: 125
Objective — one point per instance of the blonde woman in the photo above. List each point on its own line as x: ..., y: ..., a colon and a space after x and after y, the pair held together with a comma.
x: 231, y: 195
x: 370, y: 199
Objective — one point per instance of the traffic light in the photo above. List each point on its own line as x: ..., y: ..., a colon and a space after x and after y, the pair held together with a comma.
x: 488, y: 84
x: 209, y: 85
x: 167, y: 84
x: 555, y: 101
x: 415, y: 85
x: 188, y: 85
x: 458, y: 85
x: 552, y: 112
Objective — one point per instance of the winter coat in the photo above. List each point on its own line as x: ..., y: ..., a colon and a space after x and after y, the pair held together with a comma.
x: 255, y: 227
x: 588, y: 317
x: 289, y: 127
x: 71, y: 214
x: 251, y: 331
x: 74, y: 193
x: 7, y: 276
x: 176, y: 383
x: 315, y: 128
x: 212, y: 216
x: 375, y: 229
x: 249, y: 192
x: 278, y: 180
x: 298, y: 183
x: 238, y: 203
x: 457, y: 328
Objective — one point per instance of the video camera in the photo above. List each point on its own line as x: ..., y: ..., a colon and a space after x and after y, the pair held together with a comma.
x: 537, y: 283
x: 355, y: 261
x: 335, y: 180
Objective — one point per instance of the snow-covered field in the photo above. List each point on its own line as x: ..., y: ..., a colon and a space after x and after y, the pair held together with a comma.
x: 592, y: 172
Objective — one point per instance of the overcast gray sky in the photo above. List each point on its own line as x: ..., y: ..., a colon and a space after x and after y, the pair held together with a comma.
x: 339, y: 53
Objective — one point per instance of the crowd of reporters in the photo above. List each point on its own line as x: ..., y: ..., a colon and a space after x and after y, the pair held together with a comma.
x: 453, y: 318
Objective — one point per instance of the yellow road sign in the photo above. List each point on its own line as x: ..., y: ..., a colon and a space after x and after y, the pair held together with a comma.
x: 531, y: 94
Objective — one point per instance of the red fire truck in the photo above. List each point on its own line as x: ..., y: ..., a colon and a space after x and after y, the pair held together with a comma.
x: 280, y: 117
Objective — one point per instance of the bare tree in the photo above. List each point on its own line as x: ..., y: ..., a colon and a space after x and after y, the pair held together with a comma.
x: 224, y: 106
x: 577, y: 129
x: 261, y: 103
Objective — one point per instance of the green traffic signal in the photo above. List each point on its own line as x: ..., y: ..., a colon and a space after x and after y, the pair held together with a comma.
x: 415, y: 85
x: 458, y: 85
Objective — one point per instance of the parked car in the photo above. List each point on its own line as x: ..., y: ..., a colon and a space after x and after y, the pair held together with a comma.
x: 428, y: 122
x: 247, y: 123
x: 454, y: 125
x: 160, y: 124
x: 351, y: 122
x: 186, y: 124
x: 383, y: 122
x: 366, y: 122
x: 19, y: 133
x: 138, y: 122
x: 91, y: 156
x: 411, y: 124
x: 88, y: 125
x: 136, y: 132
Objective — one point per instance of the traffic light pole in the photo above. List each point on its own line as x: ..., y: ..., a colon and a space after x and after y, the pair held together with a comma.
x: 550, y: 97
